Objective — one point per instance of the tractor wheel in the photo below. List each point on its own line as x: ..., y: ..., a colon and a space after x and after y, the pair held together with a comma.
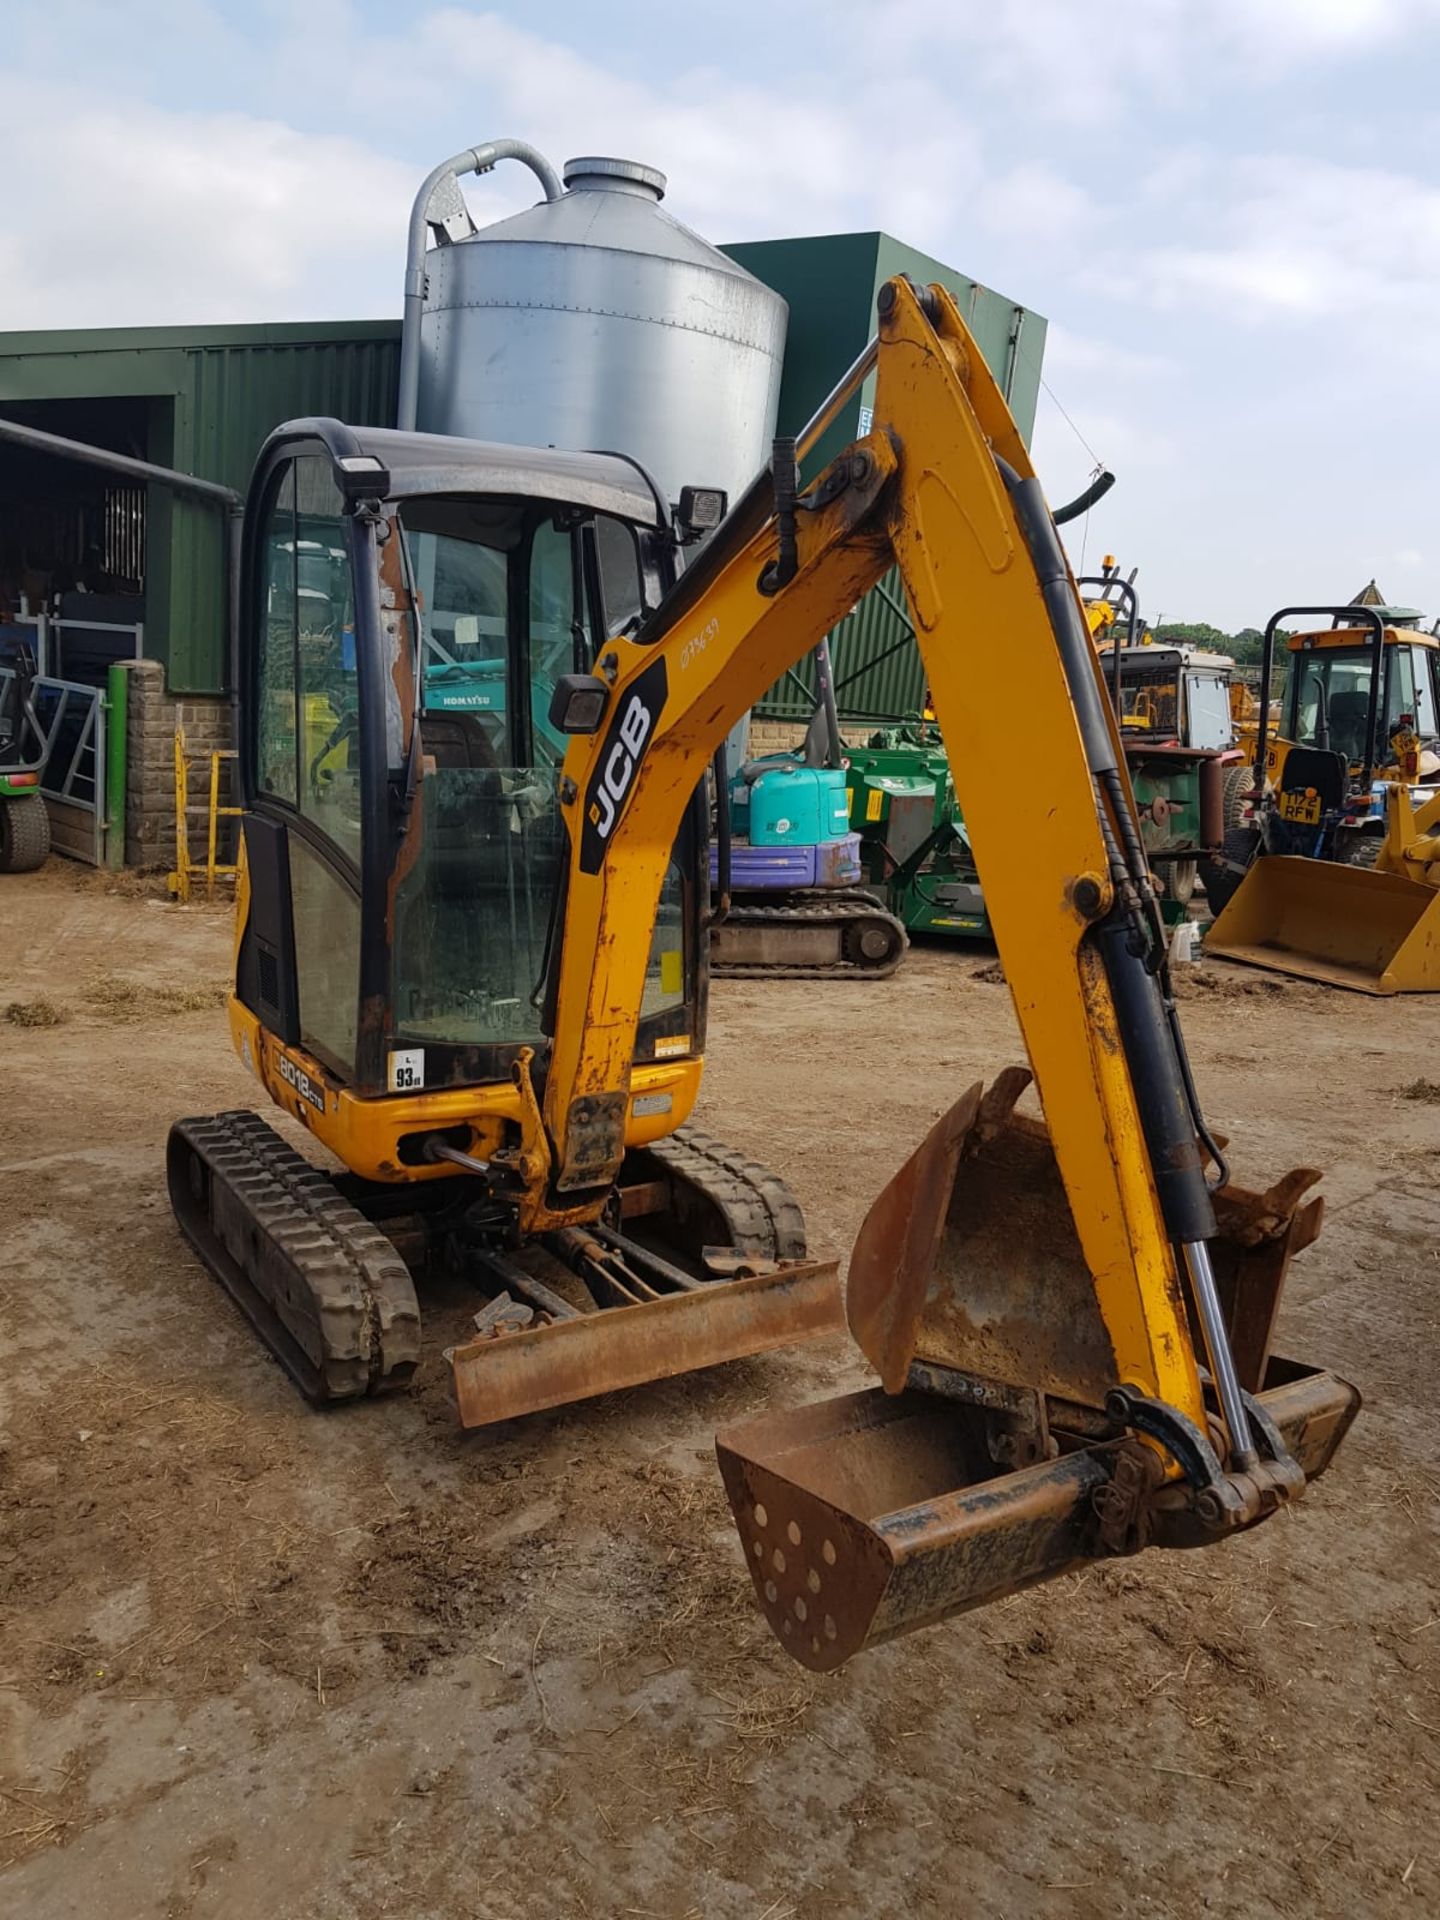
x: 1238, y: 783
x: 1177, y: 881
x: 24, y: 834
x: 1363, y: 851
x: 1223, y: 876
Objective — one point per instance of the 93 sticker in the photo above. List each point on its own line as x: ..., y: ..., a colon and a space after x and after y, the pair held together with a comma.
x: 405, y: 1070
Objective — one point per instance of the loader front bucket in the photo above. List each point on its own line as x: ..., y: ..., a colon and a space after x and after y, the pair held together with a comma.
x: 1344, y: 926
x: 867, y: 1516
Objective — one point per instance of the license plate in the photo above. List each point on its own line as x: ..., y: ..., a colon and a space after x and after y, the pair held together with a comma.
x: 1304, y: 808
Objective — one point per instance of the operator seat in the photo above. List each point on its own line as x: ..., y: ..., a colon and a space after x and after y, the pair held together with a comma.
x: 1348, y: 714
x: 458, y: 740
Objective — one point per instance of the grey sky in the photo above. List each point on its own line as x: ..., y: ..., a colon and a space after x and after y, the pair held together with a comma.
x: 1229, y: 210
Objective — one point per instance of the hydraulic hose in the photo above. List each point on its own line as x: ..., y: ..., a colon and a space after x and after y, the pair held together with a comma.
x: 1082, y: 503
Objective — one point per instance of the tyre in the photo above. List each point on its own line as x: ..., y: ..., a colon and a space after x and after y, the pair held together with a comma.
x: 24, y: 834
x: 1177, y: 880
x: 1363, y: 850
x: 1238, y: 783
x: 1223, y: 876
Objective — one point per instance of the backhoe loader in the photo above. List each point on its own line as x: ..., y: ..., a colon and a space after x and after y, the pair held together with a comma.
x: 1334, y: 875
x: 1072, y: 1327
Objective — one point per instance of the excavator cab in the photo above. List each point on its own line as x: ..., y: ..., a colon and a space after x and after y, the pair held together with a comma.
x: 1331, y: 889
x: 409, y: 606
x: 403, y: 835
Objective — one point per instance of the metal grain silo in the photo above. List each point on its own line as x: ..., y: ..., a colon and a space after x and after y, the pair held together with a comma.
x: 593, y: 320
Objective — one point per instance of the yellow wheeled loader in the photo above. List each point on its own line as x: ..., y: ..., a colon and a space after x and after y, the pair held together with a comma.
x: 477, y: 977
x: 1333, y: 877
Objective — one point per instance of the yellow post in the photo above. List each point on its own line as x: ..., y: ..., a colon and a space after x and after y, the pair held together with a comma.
x: 180, y: 878
x: 214, y: 869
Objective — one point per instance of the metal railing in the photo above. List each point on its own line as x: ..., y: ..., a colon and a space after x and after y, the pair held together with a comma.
x: 72, y: 719
x: 211, y: 810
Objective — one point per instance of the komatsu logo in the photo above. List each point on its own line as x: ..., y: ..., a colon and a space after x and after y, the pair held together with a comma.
x: 300, y: 1080
x: 621, y: 753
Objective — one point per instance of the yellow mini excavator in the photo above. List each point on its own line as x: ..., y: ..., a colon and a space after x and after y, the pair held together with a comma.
x: 475, y: 971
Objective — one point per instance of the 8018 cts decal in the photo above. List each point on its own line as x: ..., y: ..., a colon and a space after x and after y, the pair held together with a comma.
x: 621, y: 753
x: 300, y: 1080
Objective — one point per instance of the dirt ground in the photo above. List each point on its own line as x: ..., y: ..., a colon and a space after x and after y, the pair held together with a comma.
x: 259, y: 1662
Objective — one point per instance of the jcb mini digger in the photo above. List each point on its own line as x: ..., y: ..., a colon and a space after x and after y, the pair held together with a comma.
x: 479, y: 979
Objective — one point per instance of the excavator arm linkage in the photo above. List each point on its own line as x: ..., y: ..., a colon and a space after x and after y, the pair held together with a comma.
x: 1074, y: 1349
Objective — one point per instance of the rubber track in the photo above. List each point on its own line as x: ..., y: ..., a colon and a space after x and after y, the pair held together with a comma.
x: 846, y: 907
x: 325, y: 1288
x: 761, y: 1214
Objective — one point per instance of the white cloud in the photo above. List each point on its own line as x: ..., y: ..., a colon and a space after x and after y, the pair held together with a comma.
x: 144, y: 216
x: 1302, y: 237
x: 1085, y: 356
x: 1228, y: 208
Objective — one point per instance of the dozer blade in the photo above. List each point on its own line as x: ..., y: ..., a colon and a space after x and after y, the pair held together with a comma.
x: 501, y: 1377
x: 1345, y: 926
x: 876, y: 1513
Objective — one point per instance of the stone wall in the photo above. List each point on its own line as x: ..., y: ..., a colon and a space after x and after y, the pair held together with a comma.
x: 152, y: 716
x: 783, y: 736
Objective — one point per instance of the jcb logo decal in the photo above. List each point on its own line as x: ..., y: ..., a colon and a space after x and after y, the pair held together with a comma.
x: 620, y: 764
x: 621, y: 753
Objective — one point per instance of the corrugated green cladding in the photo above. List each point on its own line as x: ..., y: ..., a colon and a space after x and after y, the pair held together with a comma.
x: 214, y: 393
x: 831, y: 282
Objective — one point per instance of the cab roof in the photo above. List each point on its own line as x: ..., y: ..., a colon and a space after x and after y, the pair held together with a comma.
x: 403, y: 466
x: 1359, y: 637
x: 1166, y: 653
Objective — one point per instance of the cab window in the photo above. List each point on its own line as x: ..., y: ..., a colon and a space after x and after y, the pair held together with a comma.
x: 499, y: 591
x: 306, y: 744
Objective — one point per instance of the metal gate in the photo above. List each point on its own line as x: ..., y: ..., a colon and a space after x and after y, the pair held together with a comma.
x: 72, y: 717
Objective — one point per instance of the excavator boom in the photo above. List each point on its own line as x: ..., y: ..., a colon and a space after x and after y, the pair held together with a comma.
x: 1064, y: 1304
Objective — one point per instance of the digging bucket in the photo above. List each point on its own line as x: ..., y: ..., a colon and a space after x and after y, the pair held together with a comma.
x: 870, y: 1515
x: 1344, y: 926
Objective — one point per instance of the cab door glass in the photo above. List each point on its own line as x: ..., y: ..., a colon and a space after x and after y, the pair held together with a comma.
x: 1427, y: 693
x: 327, y: 677
x: 495, y: 597
x: 275, y: 750
x: 307, y: 746
x: 551, y: 631
x: 325, y: 911
x: 1399, y: 690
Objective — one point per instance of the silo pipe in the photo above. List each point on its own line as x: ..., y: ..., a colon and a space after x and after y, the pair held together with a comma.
x: 472, y: 160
